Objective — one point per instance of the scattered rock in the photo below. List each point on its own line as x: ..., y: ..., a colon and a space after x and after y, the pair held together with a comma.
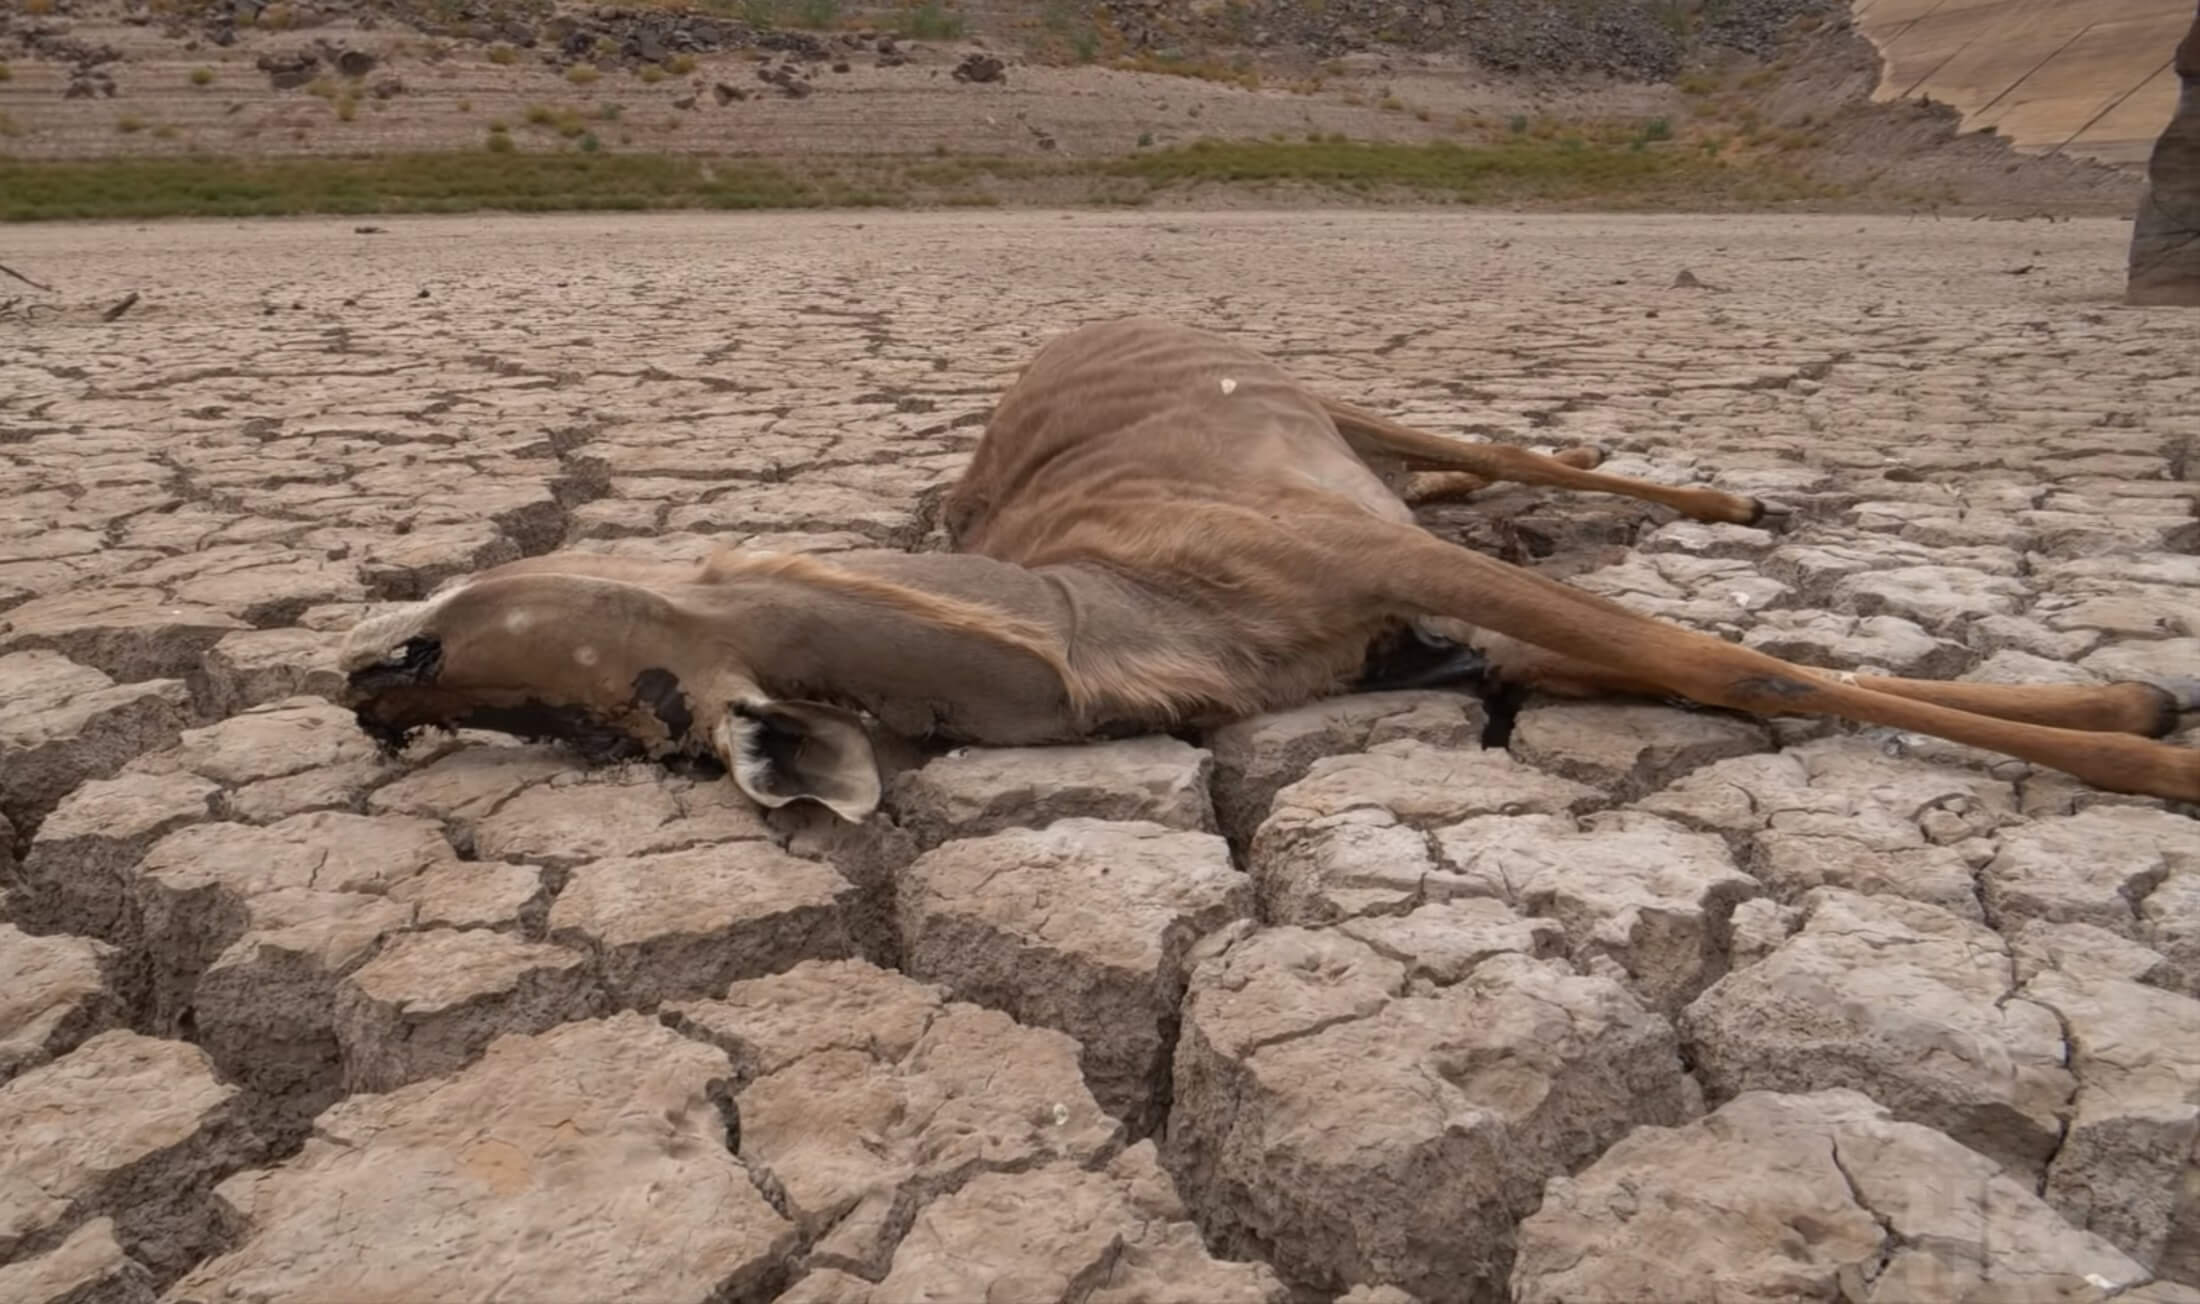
x: 1085, y: 926
x: 1819, y: 1196
x: 980, y: 68
x: 287, y: 72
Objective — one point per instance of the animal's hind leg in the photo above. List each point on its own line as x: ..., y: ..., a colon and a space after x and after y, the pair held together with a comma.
x: 1426, y: 487
x: 2097, y: 708
x: 1369, y: 433
x: 1419, y: 573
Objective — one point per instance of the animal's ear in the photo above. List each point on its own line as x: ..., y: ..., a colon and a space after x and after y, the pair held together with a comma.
x: 780, y: 752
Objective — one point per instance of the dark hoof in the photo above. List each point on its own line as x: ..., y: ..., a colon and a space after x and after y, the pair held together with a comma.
x: 1771, y: 516
x: 2174, y: 696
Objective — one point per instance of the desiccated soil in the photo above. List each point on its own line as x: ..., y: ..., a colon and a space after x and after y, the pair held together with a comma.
x: 1631, y: 1002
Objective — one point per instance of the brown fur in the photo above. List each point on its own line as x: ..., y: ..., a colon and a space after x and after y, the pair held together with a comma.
x: 1161, y: 527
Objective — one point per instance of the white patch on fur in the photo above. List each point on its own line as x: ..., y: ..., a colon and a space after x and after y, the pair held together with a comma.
x: 585, y: 655
x: 517, y: 622
x: 1229, y: 386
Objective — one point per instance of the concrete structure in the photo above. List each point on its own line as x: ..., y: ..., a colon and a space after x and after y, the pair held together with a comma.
x: 2088, y: 77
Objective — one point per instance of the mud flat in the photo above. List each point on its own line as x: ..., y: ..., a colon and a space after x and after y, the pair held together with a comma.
x: 1339, y: 1000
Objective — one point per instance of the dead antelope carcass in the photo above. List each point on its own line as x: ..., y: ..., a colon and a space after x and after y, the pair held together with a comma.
x: 1160, y: 528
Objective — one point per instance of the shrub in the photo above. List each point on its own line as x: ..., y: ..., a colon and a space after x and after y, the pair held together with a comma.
x: 503, y: 55
x: 582, y: 74
x: 202, y: 76
x: 500, y: 141
x: 129, y: 123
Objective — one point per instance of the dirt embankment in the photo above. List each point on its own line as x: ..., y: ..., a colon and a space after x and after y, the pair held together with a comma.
x: 1783, y: 86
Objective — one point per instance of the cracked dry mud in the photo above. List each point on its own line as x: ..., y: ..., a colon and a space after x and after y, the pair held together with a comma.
x: 1340, y: 1002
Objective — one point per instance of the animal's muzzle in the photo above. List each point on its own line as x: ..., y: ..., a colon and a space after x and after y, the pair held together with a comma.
x: 384, y: 697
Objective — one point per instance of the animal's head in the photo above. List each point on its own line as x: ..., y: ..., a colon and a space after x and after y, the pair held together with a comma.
x: 619, y: 660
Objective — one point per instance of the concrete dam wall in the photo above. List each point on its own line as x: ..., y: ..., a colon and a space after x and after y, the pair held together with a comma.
x: 2084, y: 77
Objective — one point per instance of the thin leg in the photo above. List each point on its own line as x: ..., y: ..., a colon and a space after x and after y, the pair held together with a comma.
x: 2097, y: 708
x: 1427, y: 487
x: 1422, y: 451
x: 1423, y: 574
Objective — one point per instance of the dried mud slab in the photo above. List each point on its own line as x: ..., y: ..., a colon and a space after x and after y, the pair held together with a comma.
x: 429, y: 1002
x: 865, y: 1098
x: 90, y: 1267
x: 1814, y: 1196
x: 1085, y: 926
x: 1903, y: 1002
x: 979, y: 790
x: 687, y: 923
x: 1115, y: 1236
x: 1632, y: 748
x: 2129, y: 1168
x: 607, y: 1131
x: 1350, y: 838
x: 1258, y: 757
x: 124, y: 1127
x: 62, y: 723
x: 1356, y: 1125
x: 54, y: 994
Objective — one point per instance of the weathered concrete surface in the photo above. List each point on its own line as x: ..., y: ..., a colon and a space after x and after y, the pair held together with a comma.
x: 1357, y: 986
x: 2087, y: 77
